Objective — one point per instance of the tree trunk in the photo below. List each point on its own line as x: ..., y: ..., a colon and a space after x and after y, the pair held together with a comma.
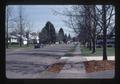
x: 27, y: 42
x: 94, y: 32
x: 27, y: 35
x: 104, y: 33
x: 20, y: 41
x: 94, y: 45
x: 90, y: 45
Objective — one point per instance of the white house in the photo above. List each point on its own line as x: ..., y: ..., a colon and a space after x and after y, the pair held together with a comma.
x: 13, y: 39
x: 24, y: 40
x: 32, y: 37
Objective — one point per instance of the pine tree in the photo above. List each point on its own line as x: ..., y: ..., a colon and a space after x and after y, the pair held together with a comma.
x: 48, y: 33
x: 61, y: 35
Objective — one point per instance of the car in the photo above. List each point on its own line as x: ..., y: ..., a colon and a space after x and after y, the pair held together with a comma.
x: 37, y: 45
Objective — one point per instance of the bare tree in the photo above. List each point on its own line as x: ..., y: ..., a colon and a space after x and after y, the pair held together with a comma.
x: 20, y: 24
x: 82, y: 24
x: 106, y: 22
x: 89, y: 21
x: 29, y: 26
x: 8, y: 15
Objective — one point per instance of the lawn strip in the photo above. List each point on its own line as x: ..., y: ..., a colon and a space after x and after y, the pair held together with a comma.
x: 99, y: 51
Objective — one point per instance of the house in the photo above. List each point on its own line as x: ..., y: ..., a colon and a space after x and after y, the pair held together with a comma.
x: 14, y: 39
x: 33, y: 37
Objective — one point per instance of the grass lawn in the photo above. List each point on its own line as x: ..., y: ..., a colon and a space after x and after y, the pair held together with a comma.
x: 99, y: 52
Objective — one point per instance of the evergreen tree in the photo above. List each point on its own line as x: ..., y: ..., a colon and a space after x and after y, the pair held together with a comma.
x: 43, y: 36
x: 65, y: 38
x: 69, y: 37
x: 48, y: 33
x: 61, y: 35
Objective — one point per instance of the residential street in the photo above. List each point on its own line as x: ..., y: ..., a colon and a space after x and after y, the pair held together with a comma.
x: 21, y: 63
x: 33, y: 63
x: 60, y: 41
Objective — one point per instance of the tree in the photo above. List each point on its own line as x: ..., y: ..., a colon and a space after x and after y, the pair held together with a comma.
x: 61, y: 35
x: 27, y: 31
x: 49, y: 32
x: 69, y: 37
x: 21, y: 25
x: 79, y: 19
x: 8, y: 17
x: 104, y: 32
x: 89, y: 21
x: 43, y: 36
x: 65, y: 38
x: 106, y: 22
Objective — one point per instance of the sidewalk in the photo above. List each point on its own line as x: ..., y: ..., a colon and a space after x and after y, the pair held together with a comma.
x: 89, y: 58
x: 74, y: 67
x: 75, y: 58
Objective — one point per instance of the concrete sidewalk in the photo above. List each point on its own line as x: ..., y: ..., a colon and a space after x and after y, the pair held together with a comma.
x: 89, y: 58
x: 74, y: 67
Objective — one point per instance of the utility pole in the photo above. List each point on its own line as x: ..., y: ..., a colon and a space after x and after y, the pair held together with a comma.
x: 49, y: 34
x: 20, y: 18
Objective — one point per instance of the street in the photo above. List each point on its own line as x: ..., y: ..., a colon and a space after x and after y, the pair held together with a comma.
x: 26, y: 63
x: 34, y: 63
x: 60, y: 41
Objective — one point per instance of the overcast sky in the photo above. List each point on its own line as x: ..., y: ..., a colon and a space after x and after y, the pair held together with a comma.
x: 40, y: 14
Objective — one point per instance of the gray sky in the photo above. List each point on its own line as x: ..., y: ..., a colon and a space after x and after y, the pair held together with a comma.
x: 40, y: 14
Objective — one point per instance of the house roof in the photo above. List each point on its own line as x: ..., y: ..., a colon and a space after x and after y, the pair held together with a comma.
x: 31, y: 36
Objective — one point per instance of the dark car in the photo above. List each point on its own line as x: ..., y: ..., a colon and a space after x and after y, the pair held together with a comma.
x: 37, y: 45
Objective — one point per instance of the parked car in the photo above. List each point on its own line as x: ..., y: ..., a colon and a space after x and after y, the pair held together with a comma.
x: 37, y: 45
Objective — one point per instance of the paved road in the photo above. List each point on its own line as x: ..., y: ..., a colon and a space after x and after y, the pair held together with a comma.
x: 33, y: 63
x: 30, y: 63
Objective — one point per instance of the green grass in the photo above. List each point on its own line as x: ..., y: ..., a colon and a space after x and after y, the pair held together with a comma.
x: 99, y: 52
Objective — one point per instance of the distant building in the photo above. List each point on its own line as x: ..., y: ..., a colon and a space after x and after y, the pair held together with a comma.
x: 33, y: 38
x: 12, y: 39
